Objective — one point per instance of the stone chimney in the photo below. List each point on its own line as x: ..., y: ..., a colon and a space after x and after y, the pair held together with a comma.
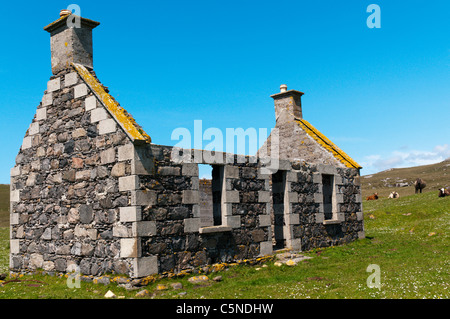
x: 289, y: 101
x: 71, y: 41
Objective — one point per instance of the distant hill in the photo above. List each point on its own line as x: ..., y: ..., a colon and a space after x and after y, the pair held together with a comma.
x: 401, y: 179
x: 4, y: 205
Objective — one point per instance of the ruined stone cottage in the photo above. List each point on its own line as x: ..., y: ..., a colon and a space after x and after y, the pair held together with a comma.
x: 91, y: 189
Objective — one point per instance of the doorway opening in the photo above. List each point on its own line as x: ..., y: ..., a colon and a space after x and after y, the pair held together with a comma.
x: 278, y: 204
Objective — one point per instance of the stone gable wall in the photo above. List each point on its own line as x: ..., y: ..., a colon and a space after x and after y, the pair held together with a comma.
x: 64, y: 187
x: 83, y: 194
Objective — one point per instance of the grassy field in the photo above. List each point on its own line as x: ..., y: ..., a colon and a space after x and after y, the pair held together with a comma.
x: 406, y: 237
x: 4, y: 205
x: 435, y: 175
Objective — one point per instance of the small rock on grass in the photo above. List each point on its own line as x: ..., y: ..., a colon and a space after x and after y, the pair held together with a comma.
x: 177, y: 285
x: 142, y: 293
x: 110, y: 294
x: 198, y: 279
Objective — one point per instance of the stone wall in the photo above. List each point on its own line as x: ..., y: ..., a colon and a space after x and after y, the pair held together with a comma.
x: 65, y: 184
x: 84, y: 194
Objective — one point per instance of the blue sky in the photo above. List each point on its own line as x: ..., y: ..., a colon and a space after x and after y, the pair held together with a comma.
x: 382, y: 95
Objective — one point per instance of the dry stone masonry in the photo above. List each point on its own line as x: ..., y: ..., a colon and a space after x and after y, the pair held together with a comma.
x: 90, y: 189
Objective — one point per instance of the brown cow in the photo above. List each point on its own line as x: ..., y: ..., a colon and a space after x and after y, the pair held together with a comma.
x: 444, y: 192
x: 372, y: 197
x: 419, y: 184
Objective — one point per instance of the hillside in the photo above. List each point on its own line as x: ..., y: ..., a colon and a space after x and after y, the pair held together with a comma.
x: 401, y: 179
x: 4, y: 205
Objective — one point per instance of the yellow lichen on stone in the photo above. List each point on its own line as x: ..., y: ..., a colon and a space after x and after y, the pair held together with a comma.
x: 327, y: 144
x: 119, y: 113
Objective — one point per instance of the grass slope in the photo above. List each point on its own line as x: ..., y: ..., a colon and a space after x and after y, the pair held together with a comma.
x: 435, y: 175
x: 406, y: 237
x: 4, y: 205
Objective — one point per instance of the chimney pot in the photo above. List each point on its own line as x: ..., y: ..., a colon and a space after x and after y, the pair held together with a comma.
x: 64, y: 12
x: 283, y: 88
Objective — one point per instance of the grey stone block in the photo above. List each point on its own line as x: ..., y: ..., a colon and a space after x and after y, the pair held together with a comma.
x: 14, y: 196
x: 291, y: 176
x: 359, y: 216
x: 261, y: 174
x: 145, y: 266
x: 107, y: 126
x: 80, y: 90
x: 70, y: 79
x: 125, y: 152
x: 15, y: 171
x: 27, y: 142
x: 292, y: 219
x: 231, y: 171
x: 189, y: 169
x: 190, y: 197
x: 195, y: 183
x: 130, y: 247
x: 14, y: 219
x: 191, y: 225
x: 143, y: 197
x: 361, y: 235
x: 284, y: 165
x: 265, y: 248
x: 144, y: 228
x: 327, y: 169
x: 54, y: 85
x: 292, y: 197
x: 294, y: 244
x: 264, y: 220
x: 264, y: 196
x: 318, y: 198
x: 90, y: 103
x: 108, y: 156
x: 169, y: 170
x: 196, y: 210
x: 317, y: 178
x: 99, y: 114
x: 41, y: 114
x: 33, y: 129
x: 130, y: 214
x: 14, y: 246
x: 231, y: 196
x: 320, y: 217
x: 128, y: 183
x: 233, y: 221
x: 121, y: 231
x: 47, y: 99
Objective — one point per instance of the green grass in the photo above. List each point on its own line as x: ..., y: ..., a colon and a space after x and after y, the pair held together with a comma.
x: 4, y: 205
x: 435, y: 175
x: 406, y: 237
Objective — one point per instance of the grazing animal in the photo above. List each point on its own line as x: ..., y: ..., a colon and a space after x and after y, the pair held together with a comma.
x: 372, y: 197
x: 394, y: 195
x: 444, y: 192
x: 419, y: 184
